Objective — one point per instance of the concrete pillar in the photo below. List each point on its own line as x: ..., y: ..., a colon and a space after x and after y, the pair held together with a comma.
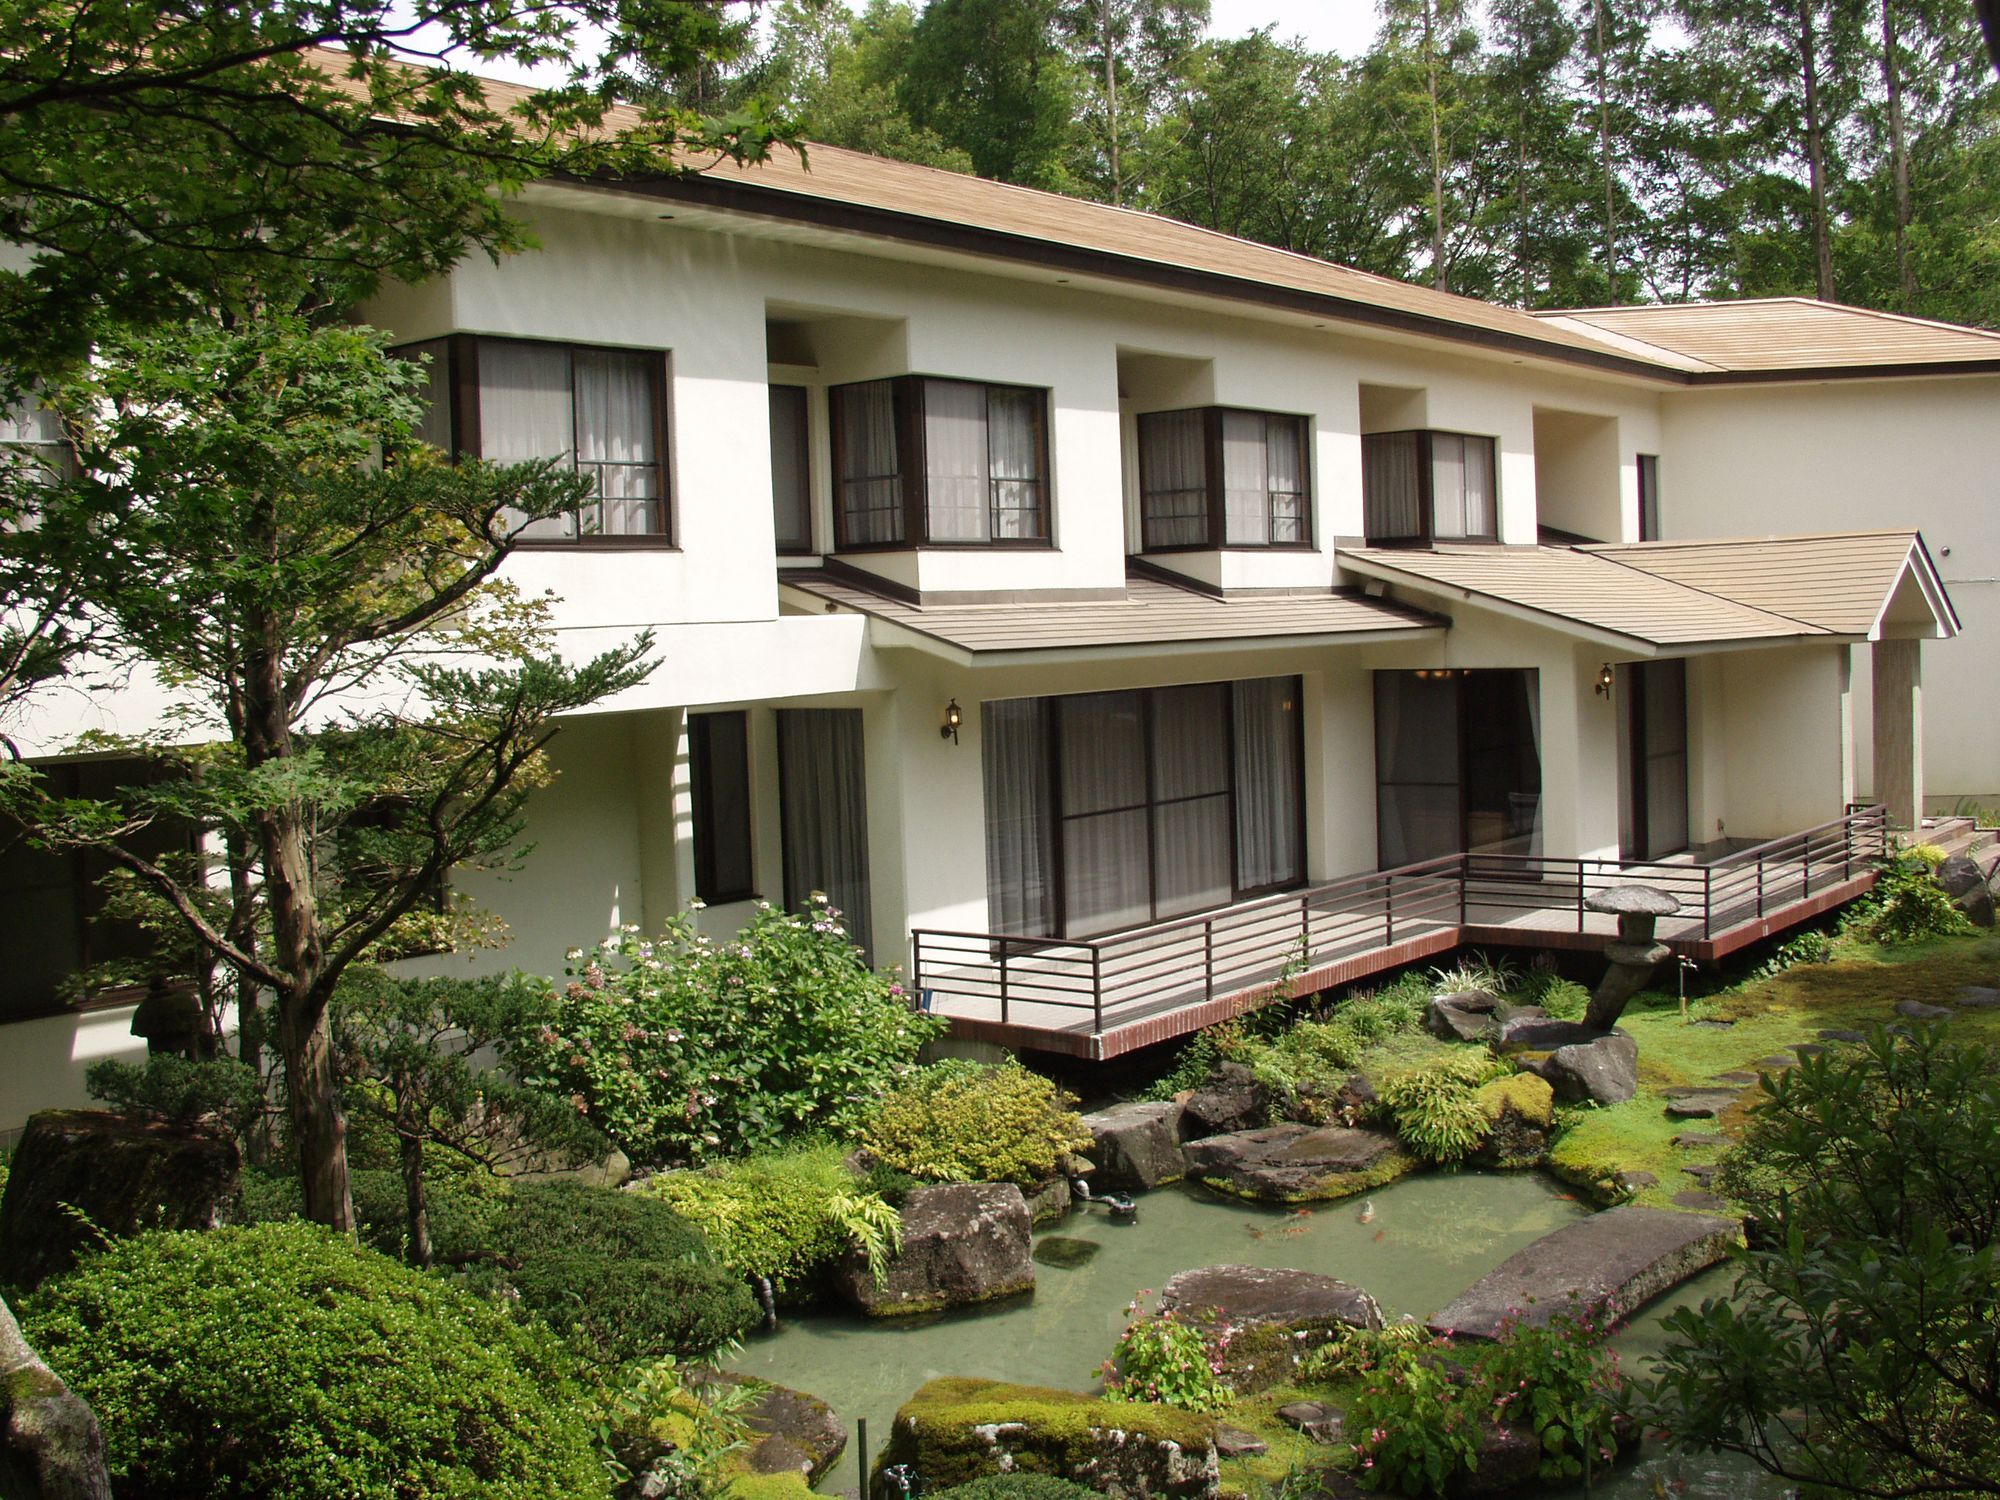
x: 1899, y: 730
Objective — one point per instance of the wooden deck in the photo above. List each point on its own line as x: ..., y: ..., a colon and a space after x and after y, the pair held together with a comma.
x: 1102, y: 997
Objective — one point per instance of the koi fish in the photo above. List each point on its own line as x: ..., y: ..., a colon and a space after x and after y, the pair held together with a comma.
x: 1367, y: 1214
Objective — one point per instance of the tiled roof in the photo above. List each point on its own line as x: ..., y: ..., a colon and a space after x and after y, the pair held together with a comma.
x: 1152, y: 612
x: 1776, y: 334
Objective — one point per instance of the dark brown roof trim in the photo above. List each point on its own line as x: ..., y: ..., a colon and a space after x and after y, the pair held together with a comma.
x: 1934, y: 369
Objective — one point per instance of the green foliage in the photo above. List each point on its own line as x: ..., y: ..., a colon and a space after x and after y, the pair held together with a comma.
x: 1909, y: 906
x: 1436, y: 1106
x: 1166, y: 1361
x: 1871, y: 1173
x: 1308, y: 1063
x: 282, y: 1361
x: 464, y: 1206
x: 620, y: 1276
x: 1557, y: 1381
x: 182, y: 1089
x: 1355, y: 1352
x: 686, y: 1048
x: 782, y: 1215
x: 1196, y: 1061
x: 665, y: 1425
x: 1563, y: 999
x: 961, y: 1122
x: 1475, y: 971
x: 1413, y: 1430
x: 1808, y: 947
x: 1015, y: 1487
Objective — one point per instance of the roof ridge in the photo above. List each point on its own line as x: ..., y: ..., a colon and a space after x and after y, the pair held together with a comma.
x: 1738, y: 541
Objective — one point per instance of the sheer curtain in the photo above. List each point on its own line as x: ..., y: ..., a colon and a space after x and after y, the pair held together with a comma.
x: 871, y: 486
x: 1173, y: 468
x: 1269, y: 780
x: 525, y: 411
x: 1447, y: 486
x: 1532, y: 688
x: 955, y: 462
x: 1246, y: 480
x: 1286, y: 460
x: 1014, y: 753
x: 1391, y: 495
x: 617, y: 440
x: 1191, y: 822
x: 1015, y: 453
x: 823, y: 811
x: 1481, y: 518
x: 434, y: 427
x: 1106, y: 879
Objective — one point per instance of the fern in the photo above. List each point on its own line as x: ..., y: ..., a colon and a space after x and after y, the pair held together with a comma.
x: 872, y: 1224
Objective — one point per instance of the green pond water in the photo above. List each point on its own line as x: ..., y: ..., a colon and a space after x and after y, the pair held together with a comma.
x: 1428, y: 1238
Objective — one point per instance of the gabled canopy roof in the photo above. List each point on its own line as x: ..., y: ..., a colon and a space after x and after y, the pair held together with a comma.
x: 1780, y: 336
x: 1670, y: 597
x: 1152, y: 614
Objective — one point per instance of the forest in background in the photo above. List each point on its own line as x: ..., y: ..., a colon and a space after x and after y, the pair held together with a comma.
x: 1544, y: 153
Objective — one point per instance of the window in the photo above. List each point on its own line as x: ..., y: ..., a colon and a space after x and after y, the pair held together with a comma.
x: 719, y: 766
x: 823, y: 812
x: 920, y: 461
x: 1649, y: 497
x: 1458, y: 763
x: 601, y: 410
x: 1110, y: 810
x: 1214, y: 472
x: 1421, y: 487
x: 791, y: 485
x: 30, y: 435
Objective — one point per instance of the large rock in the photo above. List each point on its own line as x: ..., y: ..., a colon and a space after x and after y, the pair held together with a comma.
x: 1262, y: 1321
x: 962, y: 1243
x: 1462, y: 1017
x: 50, y: 1445
x: 956, y: 1430
x: 792, y: 1433
x: 1136, y: 1147
x: 1519, y: 1111
x: 1534, y: 1032
x: 1298, y: 1163
x: 1606, y: 1266
x: 1966, y: 885
x: 1604, y: 1069
x: 80, y: 1171
x: 1231, y: 1099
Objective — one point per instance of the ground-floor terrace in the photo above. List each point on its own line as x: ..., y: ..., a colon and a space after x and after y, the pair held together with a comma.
x: 1088, y: 827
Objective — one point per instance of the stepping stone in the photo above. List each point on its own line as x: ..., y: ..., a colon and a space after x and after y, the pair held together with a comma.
x: 1694, y: 1198
x: 1712, y: 1025
x: 1809, y: 1049
x: 1842, y: 1034
x: 1608, y: 1264
x: 1234, y: 1442
x: 1977, y: 997
x: 1229, y: 1297
x: 1698, y: 1105
x: 1064, y: 1250
x: 1633, y: 1181
x: 1298, y: 1163
x: 1916, y: 1010
x: 1702, y: 1172
x: 1315, y: 1419
x: 1693, y: 1139
x: 1778, y: 1060
x: 1737, y: 1076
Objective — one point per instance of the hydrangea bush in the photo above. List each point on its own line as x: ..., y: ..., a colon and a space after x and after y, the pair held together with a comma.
x: 684, y: 1048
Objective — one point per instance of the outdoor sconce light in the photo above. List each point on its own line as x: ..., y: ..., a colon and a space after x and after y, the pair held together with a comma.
x: 953, y: 717
x: 1605, y: 677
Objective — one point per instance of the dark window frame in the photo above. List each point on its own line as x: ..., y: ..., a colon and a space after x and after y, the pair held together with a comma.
x: 912, y: 470
x: 1427, y: 488
x: 1649, y: 497
x: 701, y: 743
x: 792, y: 547
x: 462, y: 388
x: 1217, y: 538
x: 1460, y: 679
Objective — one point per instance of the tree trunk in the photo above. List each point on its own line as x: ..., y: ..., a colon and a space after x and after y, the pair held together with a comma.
x: 1899, y: 156
x: 1822, y: 232
x: 1604, y: 154
x: 1111, y: 102
x: 1439, y: 278
x: 410, y: 1140
x: 319, y: 1129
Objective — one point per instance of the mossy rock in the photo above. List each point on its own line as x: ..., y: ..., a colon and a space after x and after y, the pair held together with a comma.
x: 766, y: 1487
x: 1519, y: 1111
x: 959, y: 1429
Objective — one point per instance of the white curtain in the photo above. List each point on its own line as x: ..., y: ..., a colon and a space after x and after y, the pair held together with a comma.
x: 434, y: 426
x: 871, y: 486
x: 525, y: 411
x: 617, y: 437
x: 1391, y: 495
x: 1015, y: 760
x: 1191, y: 823
x: 955, y: 461
x: 1287, y: 467
x: 1246, y: 480
x: 1462, y: 486
x: 1268, y: 783
x: 1106, y: 879
x: 1174, y: 473
x: 823, y: 802
x: 1015, y: 448
x: 1480, y: 515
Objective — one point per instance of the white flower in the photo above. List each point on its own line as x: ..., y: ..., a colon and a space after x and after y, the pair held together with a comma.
x: 573, y: 954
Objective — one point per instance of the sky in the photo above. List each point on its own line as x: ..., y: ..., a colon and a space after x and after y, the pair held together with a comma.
x: 1343, y: 26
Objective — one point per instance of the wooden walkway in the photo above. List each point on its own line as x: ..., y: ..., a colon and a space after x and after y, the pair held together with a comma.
x: 1102, y: 997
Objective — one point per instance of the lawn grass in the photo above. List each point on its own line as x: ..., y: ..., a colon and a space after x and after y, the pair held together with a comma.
x: 1857, y: 990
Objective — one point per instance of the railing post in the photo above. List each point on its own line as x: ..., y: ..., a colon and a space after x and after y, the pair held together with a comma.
x: 1003, y: 981
x: 1208, y: 958
x: 1097, y: 988
x: 1388, y: 911
x: 1847, y: 847
x: 1579, y: 898
x: 1760, y: 886
x: 1305, y: 929
x: 1805, y: 867
x: 1708, y: 901
x: 1464, y: 867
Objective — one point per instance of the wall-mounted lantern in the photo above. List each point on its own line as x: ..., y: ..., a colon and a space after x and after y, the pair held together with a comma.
x: 1605, y: 677
x: 953, y: 717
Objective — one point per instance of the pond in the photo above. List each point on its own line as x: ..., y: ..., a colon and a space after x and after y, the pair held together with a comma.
x: 1426, y: 1240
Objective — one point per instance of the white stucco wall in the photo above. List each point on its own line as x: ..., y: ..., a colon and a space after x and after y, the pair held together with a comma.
x: 1855, y: 455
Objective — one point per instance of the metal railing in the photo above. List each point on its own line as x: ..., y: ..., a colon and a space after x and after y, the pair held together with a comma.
x: 1052, y: 983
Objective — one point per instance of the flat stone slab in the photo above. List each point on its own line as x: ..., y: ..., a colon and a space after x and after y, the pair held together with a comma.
x: 1702, y: 1104
x: 1695, y: 1138
x: 1700, y: 1201
x: 1609, y: 1264
x: 1633, y: 900
x: 1247, y: 1296
x: 1298, y: 1163
x: 1733, y: 1076
x: 1977, y: 997
x: 1916, y: 1010
x: 1542, y: 1033
x: 1778, y: 1060
x: 1845, y: 1034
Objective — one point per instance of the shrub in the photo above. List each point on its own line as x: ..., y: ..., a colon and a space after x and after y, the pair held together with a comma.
x: 1414, y: 1430
x: 282, y: 1361
x: 1309, y: 1062
x: 961, y: 1122
x: 1167, y: 1362
x: 1196, y: 1061
x: 685, y: 1048
x: 1475, y: 971
x: 620, y: 1276
x: 1016, y: 1487
x: 1436, y: 1105
x: 1911, y: 906
x: 1564, y: 999
x: 464, y: 1206
x: 1558, y: 1382
x: 672, y: 1435
x: 182, y: 1089
x: 781, y: 1216
x: 1809, y: 947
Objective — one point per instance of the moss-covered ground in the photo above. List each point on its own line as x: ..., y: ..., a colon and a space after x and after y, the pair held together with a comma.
x: 1769, y: 1018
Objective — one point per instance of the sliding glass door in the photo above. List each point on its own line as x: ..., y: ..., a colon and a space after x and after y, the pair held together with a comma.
x: 1656, y: 808
x: 823, y: 812
x: 1458, y: 764
x: 1110, y: 810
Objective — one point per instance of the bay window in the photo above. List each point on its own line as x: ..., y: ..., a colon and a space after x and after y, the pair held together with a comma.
x: 1212, y: 477
x: 922, y: 461
x: 1423, y: 487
